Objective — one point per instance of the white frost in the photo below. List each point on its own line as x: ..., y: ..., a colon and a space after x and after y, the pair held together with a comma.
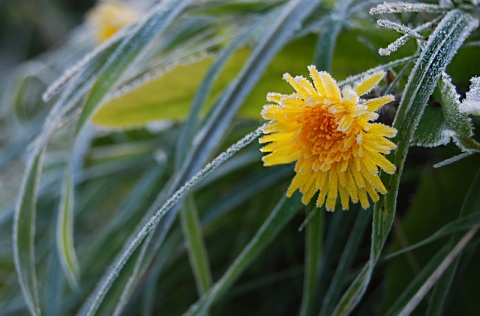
x: 471, y: 104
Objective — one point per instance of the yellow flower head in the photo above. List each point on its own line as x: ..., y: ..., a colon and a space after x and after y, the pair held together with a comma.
x: 109, y: 17
x: 329, y: 134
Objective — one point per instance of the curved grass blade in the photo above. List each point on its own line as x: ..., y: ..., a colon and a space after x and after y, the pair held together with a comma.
x: 127, y: 53
x: 437, y: 54
x: 274, y: 38
x: 462, y: 223
x: 24, y: 233
x: 281, y: 215
x: 117, y: 297
x: 104, y: 285
x: 327, y: 38
x: 205, y: 88
x: 470, y: 206
x: 65, y: 245
x: 314, y: 238
x: 197, y: 253
x: 410, y: 298
x: 348, y: 255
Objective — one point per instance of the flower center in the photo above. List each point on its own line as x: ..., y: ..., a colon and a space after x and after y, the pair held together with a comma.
x: 320, y: 139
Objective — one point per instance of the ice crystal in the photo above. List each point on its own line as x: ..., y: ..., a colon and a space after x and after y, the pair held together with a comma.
x: 471, y: 104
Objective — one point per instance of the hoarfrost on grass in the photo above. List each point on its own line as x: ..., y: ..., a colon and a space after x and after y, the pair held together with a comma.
x: 399, y: 28
x: 394, y: 46
x: 399, y: 7
x: 471, y: 103
x: 106, y: 282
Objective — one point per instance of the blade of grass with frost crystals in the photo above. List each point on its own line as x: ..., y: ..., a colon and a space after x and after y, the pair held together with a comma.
x: 314, y: 238
x: 197, y: 253
x: 341, y: 270
x: 127, y: 53
x: 281, y: 215
x: 188, y: 213
x: 399, y: 7
x: 80, y: 66
x: 203, y: 91
x: 273, y: 39
x: 470, y: 206
x: 102, y: 288
x: 352, y: 79
x: 24, y: 233
x: 328, y: 35
x: 437, y: 54
x: 65, y: 246
x: 424, y: 281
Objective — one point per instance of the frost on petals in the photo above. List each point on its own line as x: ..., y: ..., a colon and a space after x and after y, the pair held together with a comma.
x: 329, y: 133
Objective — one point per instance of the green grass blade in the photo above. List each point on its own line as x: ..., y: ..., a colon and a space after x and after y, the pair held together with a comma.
x: 127, y: 53
x: 410, y: 298
x: 24, y: 233
x: 120, y: 292
x: 274, y: 38
x: 342, y: 269
x: 243, y: 191
x: 205, y: 88
x: 197, y: 253
x: 327, y: 38
x: 462, y: 223
x: 65, y: 246
x: 314, y: 238
x: 280, y: 216
x: 104, y: 285
x: 470, y: 206
x: 437, y: 54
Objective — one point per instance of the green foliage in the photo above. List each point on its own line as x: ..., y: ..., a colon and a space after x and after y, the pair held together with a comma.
x: 104, y: 145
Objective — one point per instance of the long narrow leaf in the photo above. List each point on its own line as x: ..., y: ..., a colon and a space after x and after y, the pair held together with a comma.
x: 314, y: 237
x: 470, y: 206
x: 24, y: 233
x: 127, y: 52
x: 65, y: 246
x: 327, y: 38
x: 428, y: 276
x: 275, y: 37
x: 102, y: 288
x: 341, y: 271
x: 280, y: 216
x: 192, y: 232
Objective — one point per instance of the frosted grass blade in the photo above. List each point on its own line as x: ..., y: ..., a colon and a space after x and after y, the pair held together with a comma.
x: 186, y: 134
x: 313, y: 243
x: 342, y: 269
x: 274, y: 38
x: 281, y: 215
x: 328, y: 35
x: 64, y: 240
x: 424, y: 281
x: 197, y: 253
x: 127, y: 53
x: 104, y: 285
x: 470, y: 207
x: 437, y: 54
x: 24, y: 233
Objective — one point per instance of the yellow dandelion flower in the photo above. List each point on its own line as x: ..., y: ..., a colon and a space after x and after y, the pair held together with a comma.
x: 329, y: 133
x: 107, y: 18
